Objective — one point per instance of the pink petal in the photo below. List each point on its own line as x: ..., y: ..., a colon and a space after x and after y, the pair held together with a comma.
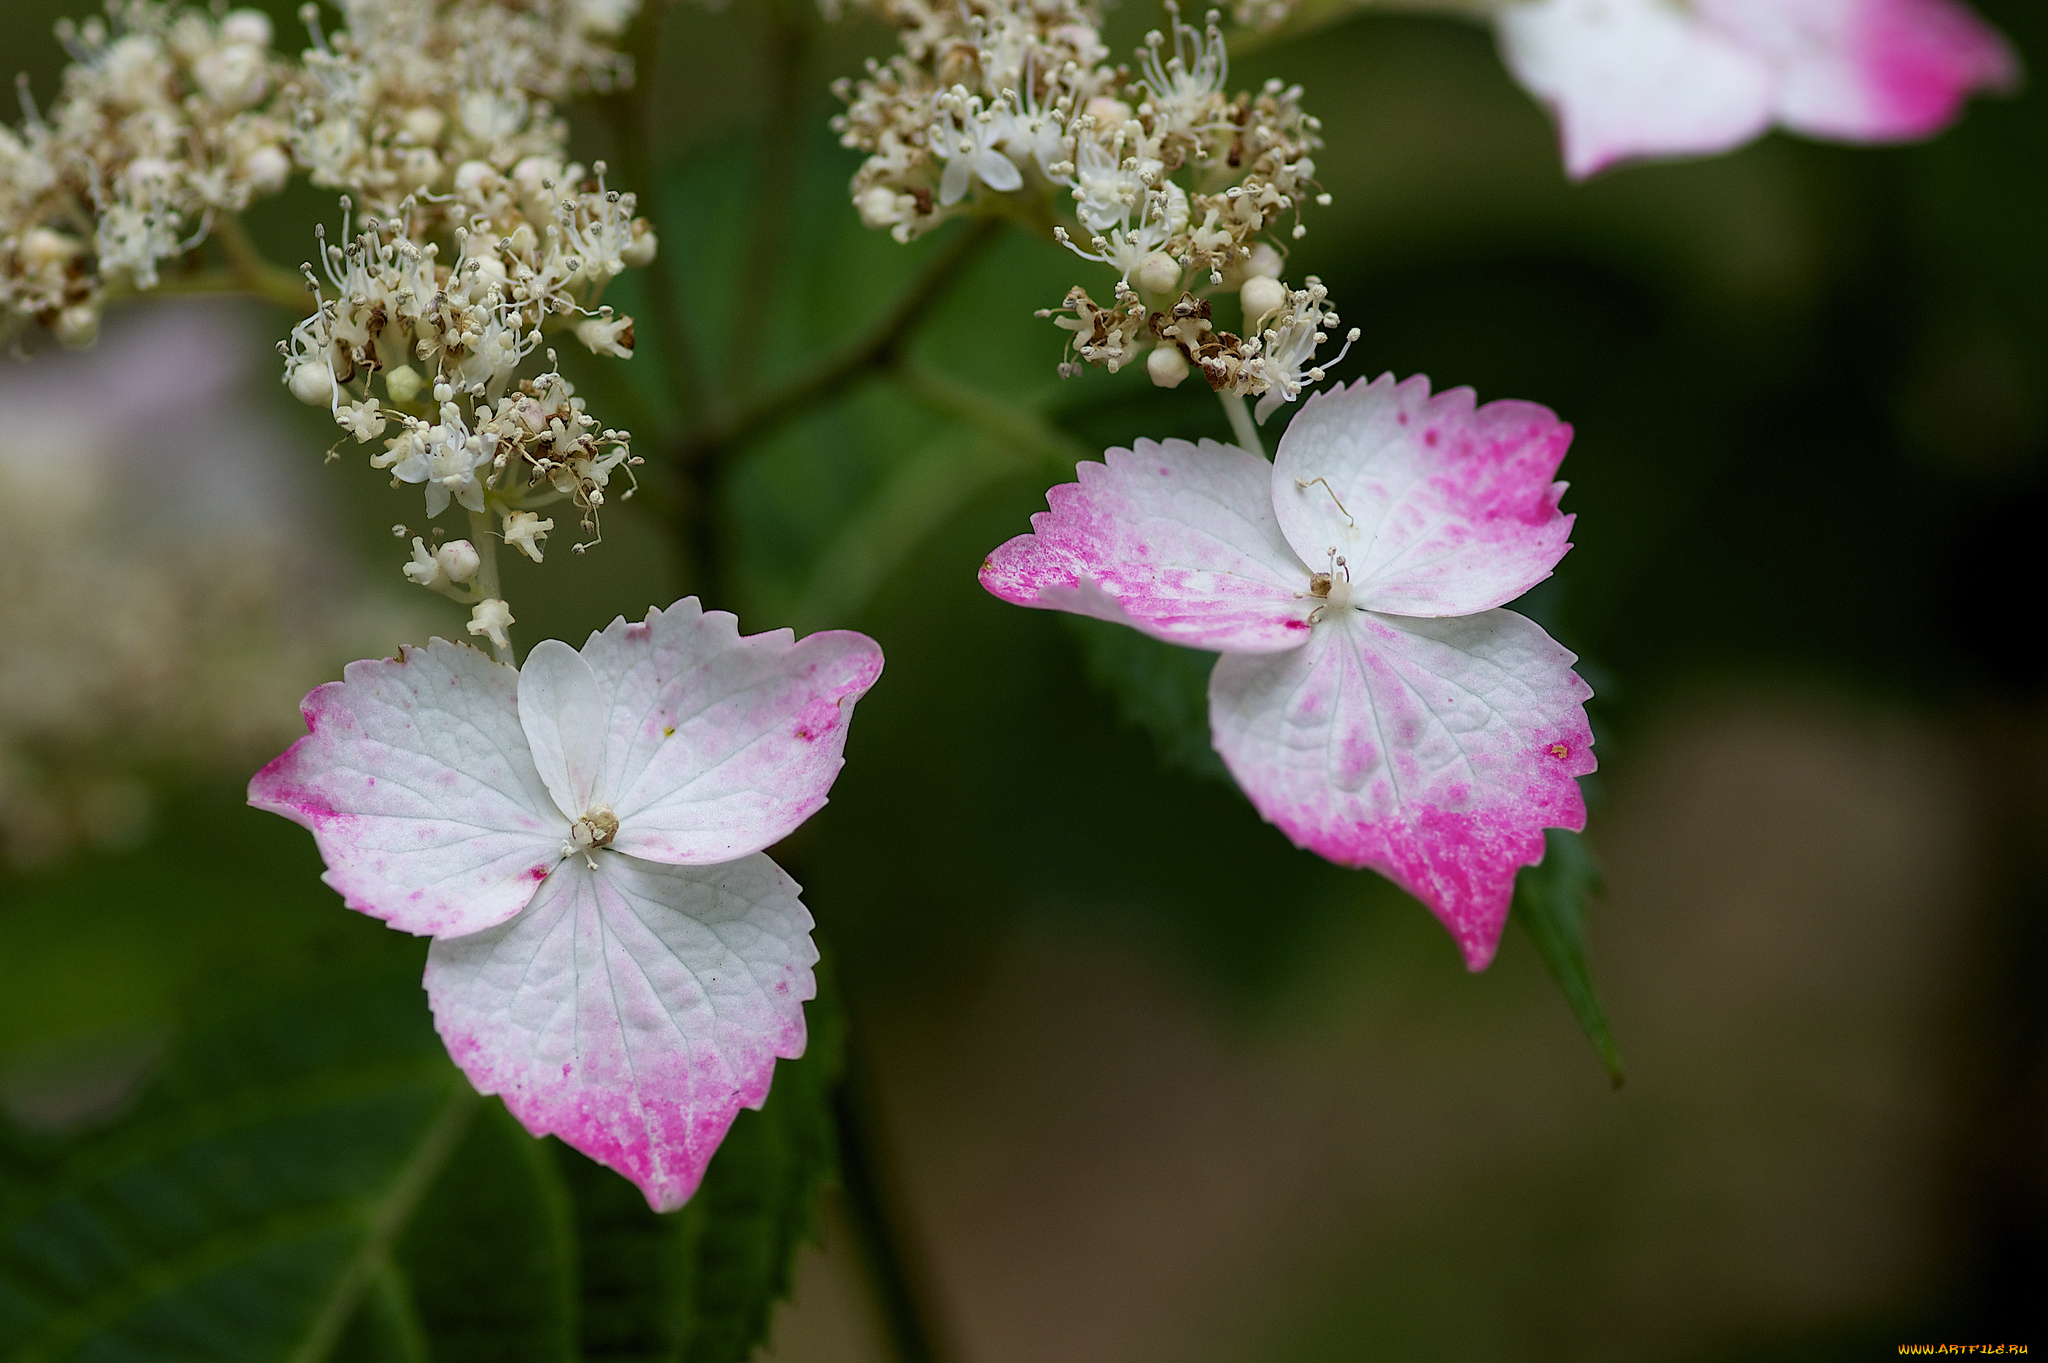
x: 1434, y: 751
x: 417, y: 784
x: 1871, y: 70
x: 563, y: 713
x: 633, y: 1010
x: 1173, y: 539
x: 1636, y: 78
x: 1438, y: 509
x: 718, y: 745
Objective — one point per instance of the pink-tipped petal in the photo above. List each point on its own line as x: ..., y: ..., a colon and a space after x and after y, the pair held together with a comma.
x: 633, y: 1010
x: 1636, y: 78
x: 718, y: 745
x: 1437, y: 508
x: 1434, y: 751
x: 416, y: 781
x: 563, y: 713
x: 1871, y: 70
x: 1173, y: 539
x: 1648, y: 78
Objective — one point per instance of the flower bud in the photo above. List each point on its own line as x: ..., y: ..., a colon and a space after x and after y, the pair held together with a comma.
x: 246, y: 26
x: 473, y: 175
x: 403, y: 383
x: 1262, y: 297
x: 266, y: 169
x: 78, y: 325
x: 41, y: 249
x: 425, y: 123
x: 640, y: 250
x: 425, y: 569
x: 1265, y: 262
x: 1167, y: 366
x: 1159, y: 273
x: 1107, y: 112
x: 312, y: 383
x: 490, y: 617
x: 458, y: 559
x: 877, y: 207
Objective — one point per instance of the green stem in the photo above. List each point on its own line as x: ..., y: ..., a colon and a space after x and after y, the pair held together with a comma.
x: 899, y: 1300
x: 486, y: 542
x: 877, y: 349
x: 253, y: 273
x: 626, y: 112
x: 1242, y: 428
x: 1014, y: 425
x: 787, y: 45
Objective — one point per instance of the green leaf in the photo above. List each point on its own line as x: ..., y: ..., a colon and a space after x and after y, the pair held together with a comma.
x: 759, y: 1202
x: 1159, y: 687
x: 247, y: 1207
x: 488, y: 1264
x: 700, y: 1285
x: 1551, y: 898
x: 629, y: 1259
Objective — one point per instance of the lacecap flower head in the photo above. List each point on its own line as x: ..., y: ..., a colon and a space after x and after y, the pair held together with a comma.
x: 582, y: 837
x: 1372, y: 699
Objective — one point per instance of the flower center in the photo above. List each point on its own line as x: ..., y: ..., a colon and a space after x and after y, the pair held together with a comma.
x: 595, y: 829
x: 1333, y: 588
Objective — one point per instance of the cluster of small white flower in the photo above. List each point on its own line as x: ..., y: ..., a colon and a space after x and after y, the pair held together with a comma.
x: 165, y: 120
x: 1010, y: 106
x: 406, y: 94
x: 445, y: 342
x: 481, y: 237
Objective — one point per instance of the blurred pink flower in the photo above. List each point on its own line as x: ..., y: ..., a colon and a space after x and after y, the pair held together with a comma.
x: 1371, y: 699
x: 1649, y: 78
x: 582, y: 838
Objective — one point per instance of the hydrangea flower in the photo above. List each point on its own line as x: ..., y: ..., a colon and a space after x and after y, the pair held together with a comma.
x: 1639, y: 78
x: 1372, y: 699
x: 581, y: 837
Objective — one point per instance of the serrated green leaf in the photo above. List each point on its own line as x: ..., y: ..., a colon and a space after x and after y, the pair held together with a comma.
x: 1551, y: 899
x: 1159, y: 687
x: 247, y: 1207
x: 629, y: 1260
x: 759, y: 1202
x: 700, y: 1285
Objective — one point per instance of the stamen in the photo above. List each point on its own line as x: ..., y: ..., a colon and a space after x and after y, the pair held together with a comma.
x: 1304, y: 484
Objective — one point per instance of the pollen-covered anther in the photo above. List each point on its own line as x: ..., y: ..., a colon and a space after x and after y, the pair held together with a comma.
x: 595, y: 829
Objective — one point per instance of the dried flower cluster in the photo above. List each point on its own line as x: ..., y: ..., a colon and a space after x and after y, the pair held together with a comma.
x: 165, y: 120
x: 1162, y: 176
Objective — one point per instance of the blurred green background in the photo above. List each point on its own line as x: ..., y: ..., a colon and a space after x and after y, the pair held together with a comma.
x: 1154, y: 1085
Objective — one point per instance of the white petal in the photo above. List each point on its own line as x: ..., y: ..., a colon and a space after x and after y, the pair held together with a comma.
x: 718, y: 745
x: 998, y: 171
x: 633, y: 1010
x: 1632, y: 78
x: 1437, y: 507
x: 417, y: 784
x: 563, y: 713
